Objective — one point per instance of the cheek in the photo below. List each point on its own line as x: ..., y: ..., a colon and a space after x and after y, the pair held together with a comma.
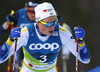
x: 33, y: 15
x: 44, y: 29
x: 28, y: 15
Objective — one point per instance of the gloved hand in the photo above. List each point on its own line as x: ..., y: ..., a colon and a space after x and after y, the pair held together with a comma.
x: 10, y: 17
x: 79, y: 33
x: 15, y: 33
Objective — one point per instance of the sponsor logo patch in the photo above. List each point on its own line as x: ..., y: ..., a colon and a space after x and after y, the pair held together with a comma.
x: 72, y: 37
x: 45, y: 46
x: 30, y: 65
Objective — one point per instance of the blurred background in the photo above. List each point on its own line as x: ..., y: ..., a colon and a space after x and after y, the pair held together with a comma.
x: 83, y: 13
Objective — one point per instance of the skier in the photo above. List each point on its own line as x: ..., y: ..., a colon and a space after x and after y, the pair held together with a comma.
x: 41, y: 42
x: 21, y: 18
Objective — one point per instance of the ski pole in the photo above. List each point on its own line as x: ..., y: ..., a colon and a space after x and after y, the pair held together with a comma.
x: 76, y: 69
x: 13, y: 66
x: 8, y: 66
x: 77, y: 55
x: 14, y: 55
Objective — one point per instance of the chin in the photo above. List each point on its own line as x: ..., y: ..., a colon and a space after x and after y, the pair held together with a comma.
x: 50, y: 34
x: 32, y: 19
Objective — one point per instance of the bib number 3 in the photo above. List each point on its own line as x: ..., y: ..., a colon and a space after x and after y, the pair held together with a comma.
x: 43, y: 58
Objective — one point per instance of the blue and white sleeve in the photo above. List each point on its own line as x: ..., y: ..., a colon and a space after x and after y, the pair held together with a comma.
x: 4, y: 50
x: 7, y: 48
x: 68, y: 42
x: 84, y: 54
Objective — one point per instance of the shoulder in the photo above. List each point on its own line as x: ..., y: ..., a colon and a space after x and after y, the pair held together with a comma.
x: 31, y: 27
x: 22, y: 10
x: 24, y: 32
x: 24, y: 29
x: 62, y: 29
x: 64, y: 32
x: 65, y: 35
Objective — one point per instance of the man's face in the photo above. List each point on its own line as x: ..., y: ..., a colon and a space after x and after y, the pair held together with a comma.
x: 47, y: 30
x: 30, y: 13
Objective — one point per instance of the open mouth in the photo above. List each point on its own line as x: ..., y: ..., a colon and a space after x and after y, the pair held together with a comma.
x: 50, y: 31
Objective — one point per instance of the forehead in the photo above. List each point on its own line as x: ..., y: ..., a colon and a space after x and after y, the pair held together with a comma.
x: 49, y: 19
x: 30, y: 8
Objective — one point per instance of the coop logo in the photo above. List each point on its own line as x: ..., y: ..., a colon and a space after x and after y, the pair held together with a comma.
x: 46, y: 46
